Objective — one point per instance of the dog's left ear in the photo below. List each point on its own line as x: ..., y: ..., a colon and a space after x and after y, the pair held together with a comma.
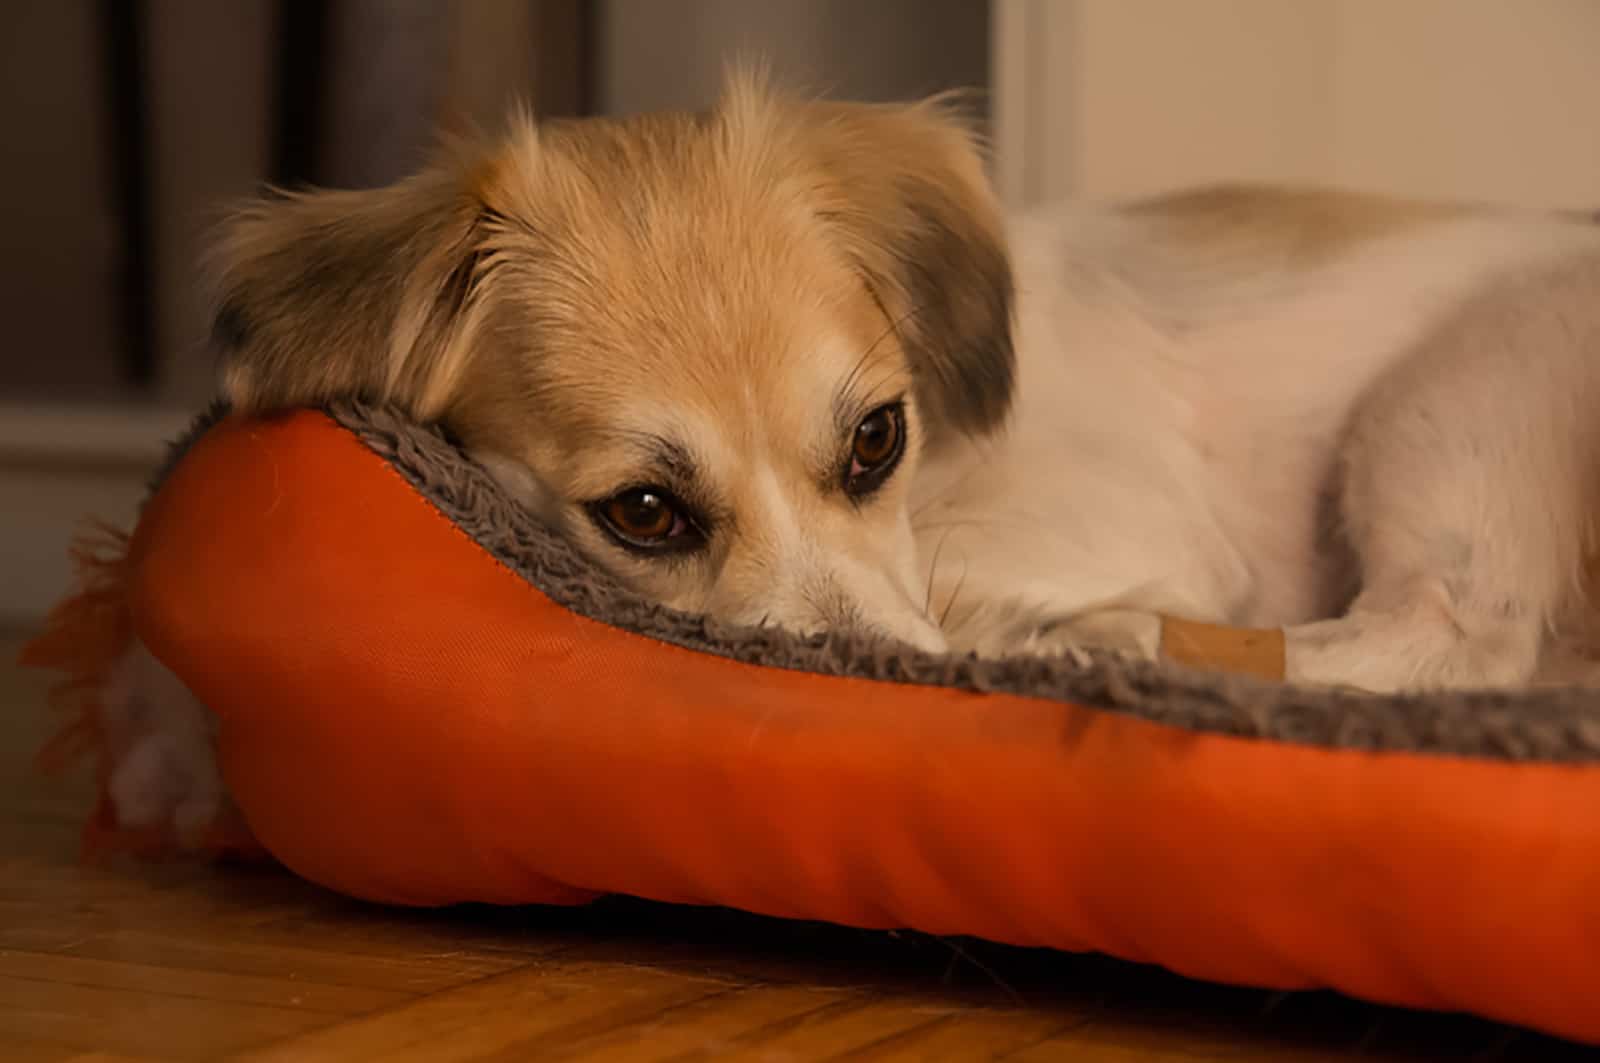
x: 350, y: 294
x: 907, y: 192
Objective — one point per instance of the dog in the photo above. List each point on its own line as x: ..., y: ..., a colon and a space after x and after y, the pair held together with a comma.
x: 788, y: 362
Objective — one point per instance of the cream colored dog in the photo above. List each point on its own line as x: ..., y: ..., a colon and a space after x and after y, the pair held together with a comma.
x: 787, y: 363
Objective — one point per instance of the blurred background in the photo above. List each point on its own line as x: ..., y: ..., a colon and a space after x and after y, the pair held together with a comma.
x: 129, y: 123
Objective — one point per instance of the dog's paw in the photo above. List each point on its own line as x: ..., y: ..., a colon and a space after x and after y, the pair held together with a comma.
x: 1410, y: 650
x: 162, y: 740
x: 1129, y: 633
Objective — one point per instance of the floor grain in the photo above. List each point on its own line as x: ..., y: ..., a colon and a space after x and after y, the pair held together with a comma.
x: 140, y: 962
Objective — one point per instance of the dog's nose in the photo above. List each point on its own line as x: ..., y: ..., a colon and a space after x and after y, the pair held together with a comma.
x: 836, y: 609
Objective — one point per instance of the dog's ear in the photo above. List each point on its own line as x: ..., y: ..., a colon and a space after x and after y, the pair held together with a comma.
x: 350, y: 294
x: 908, y: 195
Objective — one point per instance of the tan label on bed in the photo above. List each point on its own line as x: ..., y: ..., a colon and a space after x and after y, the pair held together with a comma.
x: 1238, y: 650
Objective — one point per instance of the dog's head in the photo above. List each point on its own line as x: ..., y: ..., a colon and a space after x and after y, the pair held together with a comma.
x: 708, y: 348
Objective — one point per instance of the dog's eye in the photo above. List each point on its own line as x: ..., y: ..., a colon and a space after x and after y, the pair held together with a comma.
x: 875, y: 449
x: 647, y: 518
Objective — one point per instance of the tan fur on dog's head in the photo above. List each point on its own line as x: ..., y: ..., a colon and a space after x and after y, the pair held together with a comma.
x: 705, y: 307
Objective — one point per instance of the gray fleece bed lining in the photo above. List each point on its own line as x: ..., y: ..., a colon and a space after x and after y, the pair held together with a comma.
x: 1548, y: 724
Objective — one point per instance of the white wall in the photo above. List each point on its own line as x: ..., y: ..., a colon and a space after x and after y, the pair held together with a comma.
x: 1473, y: 99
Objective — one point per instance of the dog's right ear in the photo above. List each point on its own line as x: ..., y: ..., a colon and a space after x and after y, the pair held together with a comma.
x: 351, y: 294
x: 904, y: 191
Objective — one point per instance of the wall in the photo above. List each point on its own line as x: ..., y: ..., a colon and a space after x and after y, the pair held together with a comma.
x: 669, y: 55
x: 1471, y: 99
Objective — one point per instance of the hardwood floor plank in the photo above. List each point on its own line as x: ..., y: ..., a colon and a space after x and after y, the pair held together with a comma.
x: 283, y: 991
x: 149, y: 1023
x: 34, y: 1050
x: 977, y: 1034
x: 408, y: 974
x: 846, y: 1027
x: 704, y: 1027
x: 512, y: 1015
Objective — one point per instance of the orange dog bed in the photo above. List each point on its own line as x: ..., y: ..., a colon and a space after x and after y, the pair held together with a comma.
x: 425, y: 698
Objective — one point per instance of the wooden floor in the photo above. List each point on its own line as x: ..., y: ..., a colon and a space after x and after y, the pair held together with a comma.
x: 201, y: 963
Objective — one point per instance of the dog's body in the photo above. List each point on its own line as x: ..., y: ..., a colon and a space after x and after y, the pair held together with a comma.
x: 1248, y: 405
x: 786, y: 363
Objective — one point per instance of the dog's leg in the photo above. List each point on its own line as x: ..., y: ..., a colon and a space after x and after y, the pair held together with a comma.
x: 1131, y: 633
x: 1468, y: 497
x: 164, y: 740
x: 1005, y: 628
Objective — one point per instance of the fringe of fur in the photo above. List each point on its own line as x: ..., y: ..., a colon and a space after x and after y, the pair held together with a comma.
x: 84, y: 638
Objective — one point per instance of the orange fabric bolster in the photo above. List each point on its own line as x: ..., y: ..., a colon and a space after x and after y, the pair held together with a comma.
x: 405, y: 720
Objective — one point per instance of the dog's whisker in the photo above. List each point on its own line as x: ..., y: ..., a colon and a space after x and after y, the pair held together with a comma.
x: 950, y: 603
x: 957, y: 484
x: 894, y: 371
x: 933, y: 567
x: 969, y: 522
x: 861, y: 362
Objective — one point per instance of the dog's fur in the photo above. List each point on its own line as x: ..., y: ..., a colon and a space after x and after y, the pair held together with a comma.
x: 1368, y: 422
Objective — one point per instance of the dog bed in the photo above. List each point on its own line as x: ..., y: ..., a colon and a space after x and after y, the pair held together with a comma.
x: 426, y: 698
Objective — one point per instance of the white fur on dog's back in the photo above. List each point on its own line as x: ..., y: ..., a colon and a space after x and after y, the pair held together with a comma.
x: 1180, y: 412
